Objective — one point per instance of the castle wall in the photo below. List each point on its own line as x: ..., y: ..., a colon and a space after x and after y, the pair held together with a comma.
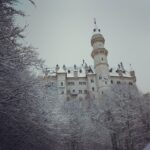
x: 77, y: 87
x: 122, y: 80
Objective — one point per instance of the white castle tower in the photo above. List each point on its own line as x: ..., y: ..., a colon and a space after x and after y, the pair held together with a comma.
x: 99, y: 54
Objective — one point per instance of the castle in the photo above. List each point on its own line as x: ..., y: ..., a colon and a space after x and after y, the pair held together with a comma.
x: 84, y: 81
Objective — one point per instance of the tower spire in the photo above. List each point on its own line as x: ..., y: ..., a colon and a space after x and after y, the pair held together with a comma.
x: 95, y: 26
x: 95, y: 21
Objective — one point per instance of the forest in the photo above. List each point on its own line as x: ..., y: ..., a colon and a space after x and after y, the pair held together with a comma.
x: 33, y: 118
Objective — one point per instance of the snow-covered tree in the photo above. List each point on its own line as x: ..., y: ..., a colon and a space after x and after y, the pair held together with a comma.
x: 18, y: 88
x: 121, y: 115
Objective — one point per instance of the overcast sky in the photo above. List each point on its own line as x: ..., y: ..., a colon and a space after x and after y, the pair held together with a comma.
x: 62, y: 29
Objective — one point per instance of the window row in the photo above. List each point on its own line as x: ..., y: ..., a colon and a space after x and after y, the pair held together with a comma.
x: 73, y: 83
x: 82, y: 83
x: 119, y: 82
x: 70, y: 83
x: 79, y: 91
x: 50, y: 84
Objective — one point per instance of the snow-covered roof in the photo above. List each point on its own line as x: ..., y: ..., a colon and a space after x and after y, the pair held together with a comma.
x: 117, y: 73
x: 75, y: 71
x: 84, y: 70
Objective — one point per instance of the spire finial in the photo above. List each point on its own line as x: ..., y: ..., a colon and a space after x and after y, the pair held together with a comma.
x: 96, y: 28
x: 95, y: 21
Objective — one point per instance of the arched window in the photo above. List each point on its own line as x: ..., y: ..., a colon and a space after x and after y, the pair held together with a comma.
x: 93, y: 89
x: 118, y: 82
x: 92, y: 80
x: 80, y: 91
x: 111, y: 81
x: 70, y: 83
x: 100, y: 77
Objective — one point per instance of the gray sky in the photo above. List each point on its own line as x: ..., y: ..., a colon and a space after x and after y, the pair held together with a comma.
x: 61, y: 30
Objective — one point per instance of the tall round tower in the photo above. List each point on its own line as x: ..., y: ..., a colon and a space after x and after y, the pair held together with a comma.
x: 99, y: 54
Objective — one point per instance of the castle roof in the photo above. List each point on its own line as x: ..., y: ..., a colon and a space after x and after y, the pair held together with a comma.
x: 84, y: 71
x: 114, y: 72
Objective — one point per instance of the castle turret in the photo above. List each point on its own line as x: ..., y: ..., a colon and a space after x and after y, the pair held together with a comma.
x: 61, y: 82
x: 99, y: 54
x: 132, y: 73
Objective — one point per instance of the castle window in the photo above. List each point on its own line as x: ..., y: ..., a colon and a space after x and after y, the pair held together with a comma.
x: 118, y: 82
x: 92, y: 81
x: 68, y: 71
x: 93, y: 89
x: 130, y: 83
x: 62, y: 84
x: 73, y: 90
x: 110, y: 70
x: 82, y: 83
x: 80, y: 71
x: 70, y: 83
x: 105, y: 82
x: 50, y: 84
x: 102, y: 92
x: 100, y: 77
x: 80, y: 91
x: 102, y: 59
x: 111, y: 81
